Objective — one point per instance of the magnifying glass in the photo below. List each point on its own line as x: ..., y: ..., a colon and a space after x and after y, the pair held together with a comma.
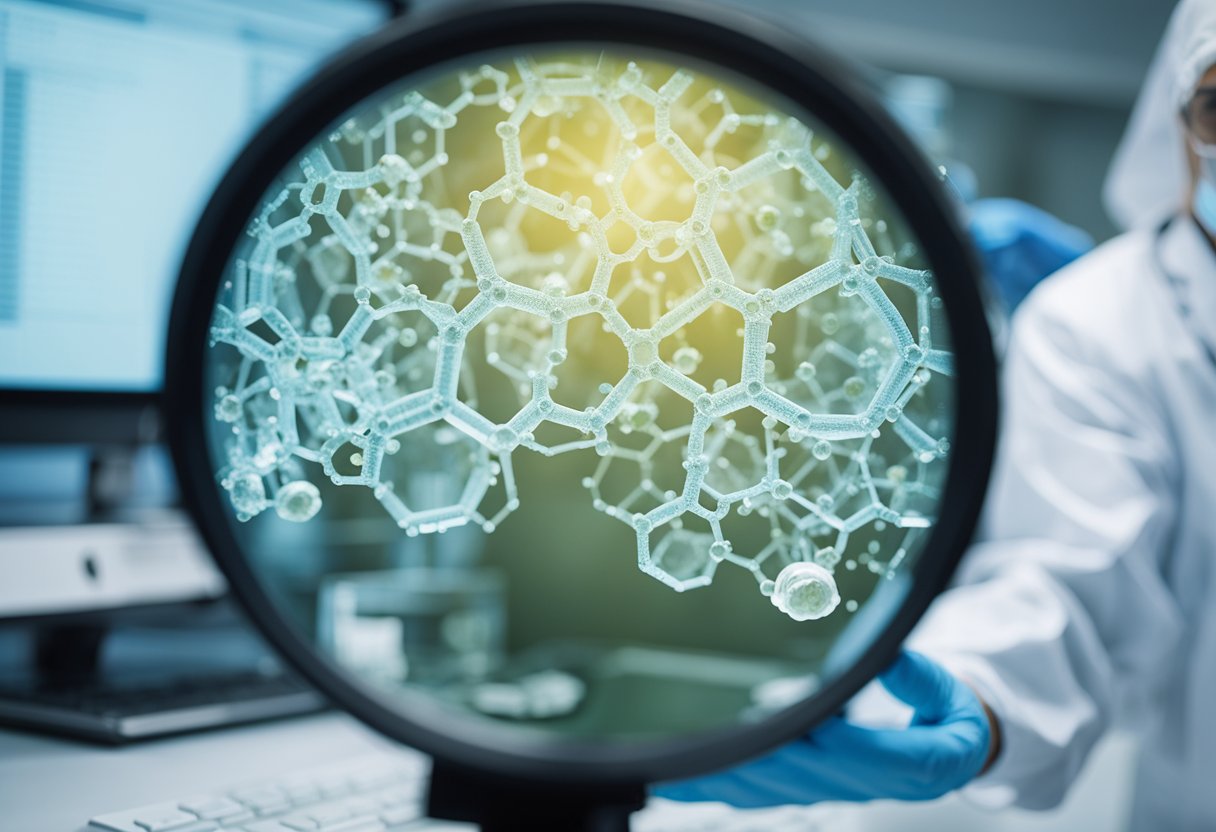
x: 586, y: 394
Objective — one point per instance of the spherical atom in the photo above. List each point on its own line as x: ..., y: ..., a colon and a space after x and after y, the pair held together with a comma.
x: 248, y: 494
x: 297, y: 501
x: 821, y: 450
x: 638, y: 417
x: 228, y: 409
x: 643, y: 352
x: 505, y: 439
x: 767, y: 217
x: 719, y: 549
x: 854, y: 387
x: 393, y: 168
x: 827, y: 557
x: 321, y: 325
x: 782, y: 490
x: 805, y: 591
x: 686, y: 360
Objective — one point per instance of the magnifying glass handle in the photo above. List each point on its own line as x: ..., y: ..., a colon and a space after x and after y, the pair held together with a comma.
x: 498, y: 804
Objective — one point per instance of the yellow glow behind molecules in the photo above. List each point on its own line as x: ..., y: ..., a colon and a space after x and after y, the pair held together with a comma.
x: 681, y: 295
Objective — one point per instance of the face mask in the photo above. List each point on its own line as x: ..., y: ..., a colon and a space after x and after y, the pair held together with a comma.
x: 1203, y: 204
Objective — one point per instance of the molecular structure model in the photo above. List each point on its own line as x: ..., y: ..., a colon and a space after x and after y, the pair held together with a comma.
x: 628, y: 263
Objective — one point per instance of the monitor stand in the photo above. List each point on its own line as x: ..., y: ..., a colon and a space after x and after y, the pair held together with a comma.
x: 67, y: 654
x: 498, y: 803
x: 122, y: 675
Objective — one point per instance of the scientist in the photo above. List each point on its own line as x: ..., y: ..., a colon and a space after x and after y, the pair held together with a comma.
x: 1089, y: 599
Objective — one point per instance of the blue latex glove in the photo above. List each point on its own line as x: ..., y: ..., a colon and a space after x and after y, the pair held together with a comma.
x: 943, y: 749
x: 1022, y: 244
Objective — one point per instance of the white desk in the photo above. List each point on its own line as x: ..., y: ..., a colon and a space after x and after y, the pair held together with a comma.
x: 53, y: 785
x: 56, y: 785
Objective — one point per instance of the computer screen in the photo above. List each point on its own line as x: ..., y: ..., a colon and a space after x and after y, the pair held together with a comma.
x: 117, y: 119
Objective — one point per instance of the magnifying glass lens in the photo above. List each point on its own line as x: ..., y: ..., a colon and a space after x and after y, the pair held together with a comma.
x: 590, y: 393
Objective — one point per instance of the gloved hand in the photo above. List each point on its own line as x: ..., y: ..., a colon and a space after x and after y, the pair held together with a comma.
x: 946, y: 746
x: 1022, y: 244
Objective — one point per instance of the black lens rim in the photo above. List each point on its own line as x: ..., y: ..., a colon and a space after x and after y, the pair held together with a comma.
x: 765, y: 52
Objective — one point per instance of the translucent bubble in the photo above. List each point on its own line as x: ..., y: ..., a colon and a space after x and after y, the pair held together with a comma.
x: 821, y: 450
x: 805, y: 591
x: 298, y: 501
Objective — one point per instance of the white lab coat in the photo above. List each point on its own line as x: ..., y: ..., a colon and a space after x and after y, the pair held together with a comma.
x: 1089, y: 597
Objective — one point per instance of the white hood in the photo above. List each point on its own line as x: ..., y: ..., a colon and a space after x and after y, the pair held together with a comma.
x: 1148, y: 178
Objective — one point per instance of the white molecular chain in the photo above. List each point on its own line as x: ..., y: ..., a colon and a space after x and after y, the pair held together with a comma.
x: 396, y: 378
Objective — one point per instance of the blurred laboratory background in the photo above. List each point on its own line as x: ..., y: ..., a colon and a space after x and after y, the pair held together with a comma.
x: 1026, y: 100
x: 1035, y: 94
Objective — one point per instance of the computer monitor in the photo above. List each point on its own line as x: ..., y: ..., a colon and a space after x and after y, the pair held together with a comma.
x: 117, y: 119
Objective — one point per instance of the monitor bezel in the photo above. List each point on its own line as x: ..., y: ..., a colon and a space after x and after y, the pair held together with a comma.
x: 37, y: 416
x: 752, y: 47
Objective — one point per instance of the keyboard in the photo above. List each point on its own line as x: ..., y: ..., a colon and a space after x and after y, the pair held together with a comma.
x: 386, y: 792
x: 116, y: 715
